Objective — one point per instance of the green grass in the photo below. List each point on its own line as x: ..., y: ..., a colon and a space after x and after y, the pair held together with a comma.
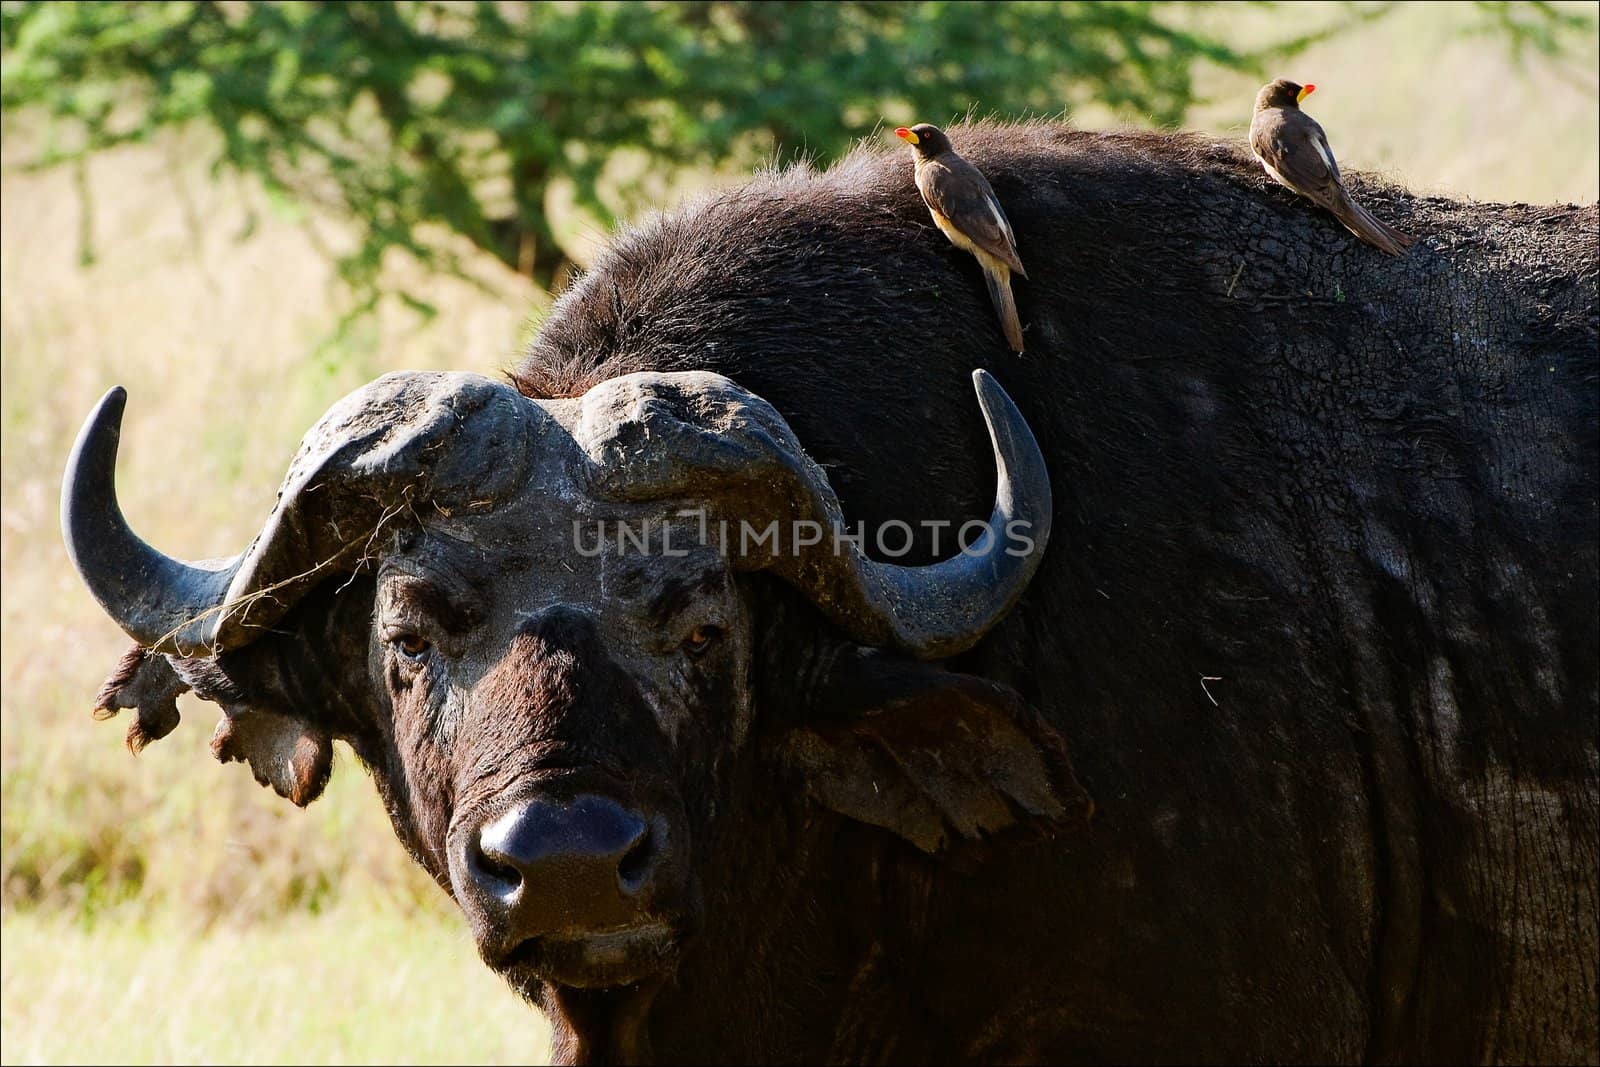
x: 354, y: 985
x: 165, y: 908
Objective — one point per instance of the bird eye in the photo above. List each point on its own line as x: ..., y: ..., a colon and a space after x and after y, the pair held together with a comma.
x: 413, y: 647
x: 701, y: 638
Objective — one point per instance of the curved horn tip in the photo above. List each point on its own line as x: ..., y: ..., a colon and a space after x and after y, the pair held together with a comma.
x: 105, y: 417
x: 106, y: 414
x: 160, y: 602
x: 111, y: 405
x: 992, y: 396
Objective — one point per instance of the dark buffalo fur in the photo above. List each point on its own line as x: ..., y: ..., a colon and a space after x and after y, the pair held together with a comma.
x: 1318, y: 620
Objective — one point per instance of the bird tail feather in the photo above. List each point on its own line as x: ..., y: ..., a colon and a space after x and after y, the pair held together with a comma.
x: 998, y: 275
x: 1373, y: 230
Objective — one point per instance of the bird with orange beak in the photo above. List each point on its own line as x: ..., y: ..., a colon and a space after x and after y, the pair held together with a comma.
x: 966, y: 210
x: 1292, y: 147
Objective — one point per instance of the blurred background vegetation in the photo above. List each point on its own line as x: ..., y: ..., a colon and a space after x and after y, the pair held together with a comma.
x: 243, y: 210
x: 489, y: 122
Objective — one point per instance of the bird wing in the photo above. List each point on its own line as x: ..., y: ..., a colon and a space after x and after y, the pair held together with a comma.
x: 1295, y: 150
x: 1320, y: 143
x: 959, y: 191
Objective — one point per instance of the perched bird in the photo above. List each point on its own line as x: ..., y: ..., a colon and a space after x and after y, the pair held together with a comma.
x: 1294, y: 150
x: 966, y: 209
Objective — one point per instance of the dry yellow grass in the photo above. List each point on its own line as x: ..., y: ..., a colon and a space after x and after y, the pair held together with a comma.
x: 216, y: 341
x: 355, y: 985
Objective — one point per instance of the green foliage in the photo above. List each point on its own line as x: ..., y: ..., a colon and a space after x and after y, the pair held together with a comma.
x: 425, y: 120
x: 1536, y: 26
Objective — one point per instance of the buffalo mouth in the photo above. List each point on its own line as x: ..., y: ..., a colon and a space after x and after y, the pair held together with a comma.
x: 601, y: 959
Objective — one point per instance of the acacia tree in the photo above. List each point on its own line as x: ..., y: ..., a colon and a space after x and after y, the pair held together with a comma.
x: 408, y: 115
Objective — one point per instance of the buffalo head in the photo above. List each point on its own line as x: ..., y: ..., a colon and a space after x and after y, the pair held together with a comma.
x: 577, y: 641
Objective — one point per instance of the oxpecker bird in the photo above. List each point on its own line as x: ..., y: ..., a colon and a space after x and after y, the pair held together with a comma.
x: 966, y: 209
x: 1294, y: 150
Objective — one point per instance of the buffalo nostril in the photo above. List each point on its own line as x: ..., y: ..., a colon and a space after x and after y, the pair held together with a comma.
x: 493, y: 869
x: 635, y: 868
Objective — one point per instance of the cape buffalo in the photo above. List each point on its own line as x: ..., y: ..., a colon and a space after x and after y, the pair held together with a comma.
x: 1257, y: 722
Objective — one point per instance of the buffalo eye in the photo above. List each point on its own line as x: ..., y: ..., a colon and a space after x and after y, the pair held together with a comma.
x: 701, y: 638
x: 412, y: 647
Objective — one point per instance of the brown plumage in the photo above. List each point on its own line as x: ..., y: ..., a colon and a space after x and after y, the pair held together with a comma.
x: 965, y: 208
x: 1292, y: 147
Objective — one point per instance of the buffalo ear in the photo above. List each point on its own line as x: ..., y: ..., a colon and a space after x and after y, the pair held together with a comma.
x: 284, y: 697
x: 931, y: 755
x: 145, y: 682
x: 290, y: 755
x: 284, y: 751
x: 284, y: 748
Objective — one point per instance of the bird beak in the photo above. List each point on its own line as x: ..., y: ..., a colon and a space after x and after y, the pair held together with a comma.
x: 905, y: 135
x: 1305, y: 91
